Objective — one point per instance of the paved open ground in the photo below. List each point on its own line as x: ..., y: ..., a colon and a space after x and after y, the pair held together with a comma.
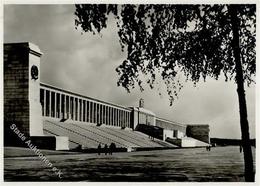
x: 197, y: 164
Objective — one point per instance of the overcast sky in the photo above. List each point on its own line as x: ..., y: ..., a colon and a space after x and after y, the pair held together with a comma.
x: 85, y: 63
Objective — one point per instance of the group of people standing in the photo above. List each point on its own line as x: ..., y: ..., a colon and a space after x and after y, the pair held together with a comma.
x: 107, y: 150
x: 208, y: 148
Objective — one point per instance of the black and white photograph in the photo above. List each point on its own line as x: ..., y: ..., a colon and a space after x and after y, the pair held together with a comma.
x: 129, y: 92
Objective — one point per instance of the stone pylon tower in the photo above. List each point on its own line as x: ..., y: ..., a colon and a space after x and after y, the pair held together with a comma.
x: 22, y: 89
x: 22, y: 97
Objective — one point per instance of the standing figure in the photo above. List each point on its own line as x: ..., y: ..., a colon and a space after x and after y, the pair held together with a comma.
x: 105, y: 149
x: 112, y: 148
x: 99, y: 149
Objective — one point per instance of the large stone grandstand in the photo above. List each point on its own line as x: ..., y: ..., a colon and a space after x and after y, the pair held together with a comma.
x: 59, y: 119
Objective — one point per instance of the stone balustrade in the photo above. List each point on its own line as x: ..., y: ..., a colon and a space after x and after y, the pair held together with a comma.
x: 63, y: 104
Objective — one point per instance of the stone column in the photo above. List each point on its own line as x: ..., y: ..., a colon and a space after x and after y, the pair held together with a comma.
x: 87, y: 111
x: 123, y: 124
x: 103, y: 113
x: 74, y: 108
x: 95, y: 113
x: 44, y: 102
x: 123, y: 119
x: 108, y: 117
x: 69, y: 109
x: 82, y: 110
x: 98, y: 114
x: 118, y: 117
x: 60, y: 106
x: 55, y: 105
x: 115, y: 117
x: 92, y: 112
x: 126, y: 119
x: 50, y: 105
x: 112, y: 116
x: 129, y: 120
x: 71, y: 106
x: 65, y: 105
x: 78, y: 110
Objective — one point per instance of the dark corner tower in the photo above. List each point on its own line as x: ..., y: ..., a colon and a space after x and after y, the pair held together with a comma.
x: 22, y: 95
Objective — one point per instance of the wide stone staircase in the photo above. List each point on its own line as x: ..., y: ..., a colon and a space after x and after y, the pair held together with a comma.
x: 89, y: 136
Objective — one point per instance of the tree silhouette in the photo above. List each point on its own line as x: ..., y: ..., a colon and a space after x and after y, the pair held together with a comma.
x: 194, y: 40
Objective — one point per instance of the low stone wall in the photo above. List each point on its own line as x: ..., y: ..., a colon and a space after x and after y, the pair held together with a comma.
x: 152, y: 131
x: 199, y: 132
x: 50, y: 142
x: 176, y: 141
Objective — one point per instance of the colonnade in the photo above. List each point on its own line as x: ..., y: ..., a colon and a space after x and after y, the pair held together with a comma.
x: 58, y: 103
